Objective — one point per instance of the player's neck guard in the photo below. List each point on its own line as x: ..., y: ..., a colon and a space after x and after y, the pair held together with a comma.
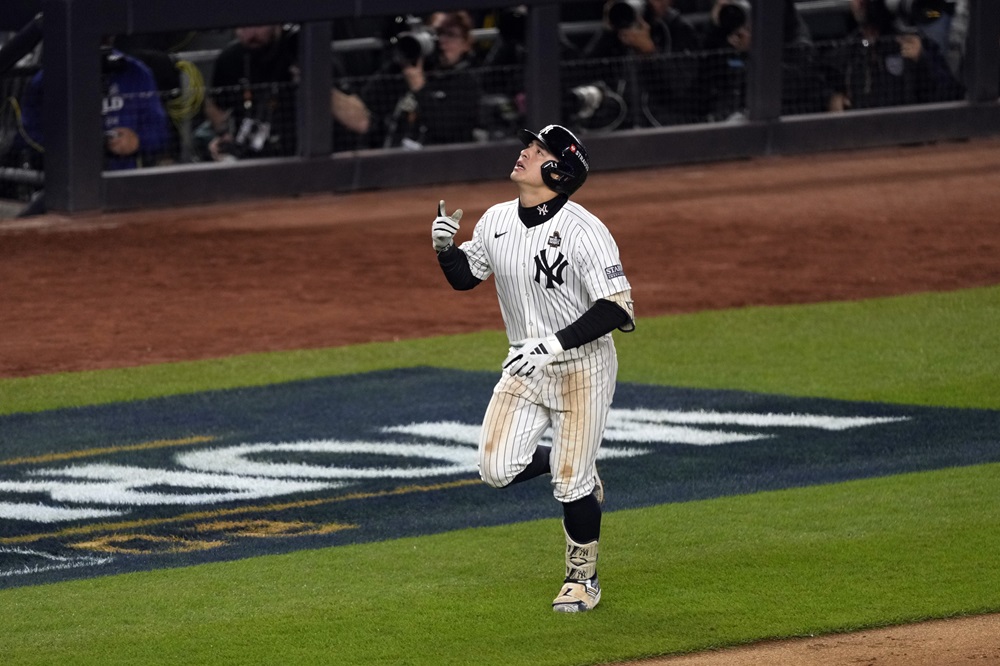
x: 532, y: 216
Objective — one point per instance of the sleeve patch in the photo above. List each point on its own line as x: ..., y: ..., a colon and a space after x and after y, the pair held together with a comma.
x: 613, y: 272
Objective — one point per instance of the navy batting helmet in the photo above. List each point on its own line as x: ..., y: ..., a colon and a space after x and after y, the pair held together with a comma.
x: 566, y: 173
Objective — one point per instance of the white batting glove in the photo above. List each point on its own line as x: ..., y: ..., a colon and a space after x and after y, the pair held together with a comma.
x: 444, y: 228
x: 532, y: 356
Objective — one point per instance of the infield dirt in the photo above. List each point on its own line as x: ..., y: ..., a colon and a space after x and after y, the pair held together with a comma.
x: 115, y: 290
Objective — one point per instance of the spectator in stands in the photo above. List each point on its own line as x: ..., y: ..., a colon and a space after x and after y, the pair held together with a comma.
x: 427, y: 92
x: 724, y: 69
x: 882, y: 65
x: 251, y: 111
x: 136, y: 129
x: 168, y: 80
x: 642, y: 27
x: 933, y: 18
x: 644, y: 52
x: 251, y: 107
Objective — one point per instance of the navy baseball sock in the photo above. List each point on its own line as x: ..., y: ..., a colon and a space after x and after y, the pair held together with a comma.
x: 582, y: 519
x: 539, y: 465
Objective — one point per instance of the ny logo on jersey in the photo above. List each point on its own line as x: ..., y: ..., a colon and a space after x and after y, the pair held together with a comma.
x: 553, y: 270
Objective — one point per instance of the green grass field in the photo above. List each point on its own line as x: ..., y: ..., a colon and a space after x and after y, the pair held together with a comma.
x: 677, y: 578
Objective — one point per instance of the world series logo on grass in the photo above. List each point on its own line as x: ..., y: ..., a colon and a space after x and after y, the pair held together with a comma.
x: 255, y: 471
x: 309, y: 464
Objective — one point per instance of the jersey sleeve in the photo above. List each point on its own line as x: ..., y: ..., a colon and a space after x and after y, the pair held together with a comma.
x: 600, y: 263
x: 475, y: 251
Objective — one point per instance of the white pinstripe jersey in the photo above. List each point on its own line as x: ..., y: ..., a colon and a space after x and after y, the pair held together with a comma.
x: 548, y: 275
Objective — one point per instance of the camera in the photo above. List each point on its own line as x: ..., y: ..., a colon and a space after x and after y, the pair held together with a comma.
x: 625, y: 13
x: 586, y: 100
x: 251, y: 137
x: 594, y: 106
x: 415, y: 42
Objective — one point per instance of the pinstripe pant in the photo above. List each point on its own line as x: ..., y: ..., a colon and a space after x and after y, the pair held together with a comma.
x: 572, y: 396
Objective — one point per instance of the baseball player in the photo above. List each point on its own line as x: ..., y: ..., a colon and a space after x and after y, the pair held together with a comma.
x: 562, y: 291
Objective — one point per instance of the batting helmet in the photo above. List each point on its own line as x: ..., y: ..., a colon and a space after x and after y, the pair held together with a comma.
x: 566, y: 173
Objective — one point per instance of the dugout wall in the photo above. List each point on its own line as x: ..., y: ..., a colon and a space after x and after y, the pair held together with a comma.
x: 75, y: 182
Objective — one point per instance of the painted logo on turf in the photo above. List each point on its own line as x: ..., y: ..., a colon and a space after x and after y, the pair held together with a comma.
x: 307, y: 464
x: 262, y: 470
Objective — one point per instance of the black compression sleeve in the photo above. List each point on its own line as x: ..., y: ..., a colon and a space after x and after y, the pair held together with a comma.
x: 602, y: 317
x: 455, y: 265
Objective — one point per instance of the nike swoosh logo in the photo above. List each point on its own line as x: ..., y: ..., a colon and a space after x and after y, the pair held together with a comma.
x: 498, y: 234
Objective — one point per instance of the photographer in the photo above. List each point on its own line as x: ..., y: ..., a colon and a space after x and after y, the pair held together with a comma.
x: 643, y: 53
x: 427, y: 92
x: 252, y: 105
x: 252, y: 109
x: 725, y: 66
x: 886, y: 61
x: 795, y: 30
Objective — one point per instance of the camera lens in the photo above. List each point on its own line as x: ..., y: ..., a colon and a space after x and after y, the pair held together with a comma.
x: 622, y: 15
x: 408, y: 49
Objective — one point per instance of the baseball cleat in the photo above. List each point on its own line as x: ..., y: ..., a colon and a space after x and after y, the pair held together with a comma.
x: 578, y: 596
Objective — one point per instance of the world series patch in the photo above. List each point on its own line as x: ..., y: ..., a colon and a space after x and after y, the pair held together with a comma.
x: 615, y: 271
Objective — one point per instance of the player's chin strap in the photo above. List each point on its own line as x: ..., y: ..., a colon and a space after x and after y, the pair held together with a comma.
x: 581, y: 559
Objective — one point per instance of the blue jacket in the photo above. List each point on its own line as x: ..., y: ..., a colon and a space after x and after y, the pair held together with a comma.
x: 131, y: 100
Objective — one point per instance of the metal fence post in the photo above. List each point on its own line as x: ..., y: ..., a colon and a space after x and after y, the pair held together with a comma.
x: 71, y: 115
x: 541, y: 69
x: 766, y: 46
x: 982, y: 58
x: 313, y: 101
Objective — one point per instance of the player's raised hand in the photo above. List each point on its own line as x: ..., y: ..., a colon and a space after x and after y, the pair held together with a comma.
x: 533, y: 355
x: 444, y: 228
